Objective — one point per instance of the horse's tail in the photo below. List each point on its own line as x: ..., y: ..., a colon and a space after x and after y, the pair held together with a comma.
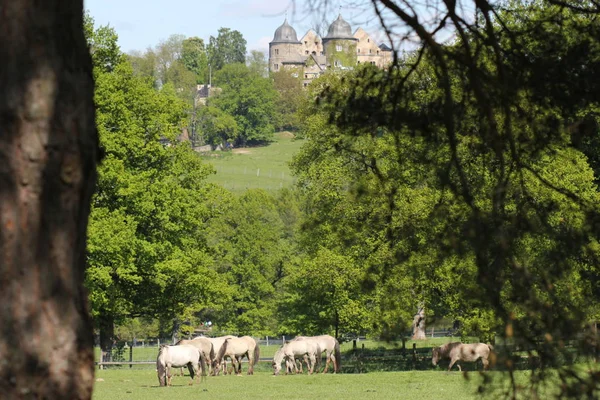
x: 211, y: 354
x: 256, y: 354
x: 490, y: 347
x: 319, y: 357
x: 338, y: 356
x: 202, y: 365
x: 222, y: 351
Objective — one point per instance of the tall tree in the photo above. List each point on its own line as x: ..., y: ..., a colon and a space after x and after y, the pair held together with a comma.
x: 195, y: 59
x: 228, y: 47
x: 250, y: 99
x: 49, y: 148
x: 492, y: 112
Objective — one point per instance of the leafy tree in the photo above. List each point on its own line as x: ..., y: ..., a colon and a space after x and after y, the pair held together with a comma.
x: 229, y: 47
x: 195, y: 58
x: 102, y: 42
x: 252, y: 251
x: 250, y: 99
x: 516, y: 204
x: 216, y: 126
x: 258, y: 63
x: 147, y: 251
x: 291, y: 95
x: 49, y: 148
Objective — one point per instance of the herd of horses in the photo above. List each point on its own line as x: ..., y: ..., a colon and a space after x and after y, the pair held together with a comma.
x: 202, y: 354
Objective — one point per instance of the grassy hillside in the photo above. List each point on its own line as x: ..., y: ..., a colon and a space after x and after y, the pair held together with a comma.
x: 256, y: 167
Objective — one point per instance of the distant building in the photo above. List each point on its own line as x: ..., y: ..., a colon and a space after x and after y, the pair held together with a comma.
x: 312, y: 55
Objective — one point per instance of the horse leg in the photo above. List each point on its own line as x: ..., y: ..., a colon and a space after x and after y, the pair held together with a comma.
x: 327, y: 363
x: 452, y: 363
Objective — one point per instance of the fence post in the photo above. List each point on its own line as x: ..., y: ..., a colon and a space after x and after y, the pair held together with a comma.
x: 414, y: 354
x: 282, y: 340
x: 131, y: 355
x: 432, y: 332
x: 267, y: 340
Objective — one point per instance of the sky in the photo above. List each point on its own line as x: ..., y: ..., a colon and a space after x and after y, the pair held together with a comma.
x: 141, y: 24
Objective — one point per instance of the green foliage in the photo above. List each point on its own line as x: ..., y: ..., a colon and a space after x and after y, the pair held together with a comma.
x: 102, y: 42
x: 250, y: 99
x: 194, y: 58
x: 252, y: 251
x: 291, y: 96
x: 229, y: 47
x: 147, y: 251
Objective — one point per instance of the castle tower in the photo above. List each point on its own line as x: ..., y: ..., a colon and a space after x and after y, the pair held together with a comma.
x: 340, y: 45
x: 285, y: 49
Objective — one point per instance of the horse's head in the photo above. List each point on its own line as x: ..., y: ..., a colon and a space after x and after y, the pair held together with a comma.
x: 276, y: 368
x: 436, y: 356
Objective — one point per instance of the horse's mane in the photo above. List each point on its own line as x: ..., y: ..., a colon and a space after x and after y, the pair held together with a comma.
x: 445, y: 349
x: 161, y: 348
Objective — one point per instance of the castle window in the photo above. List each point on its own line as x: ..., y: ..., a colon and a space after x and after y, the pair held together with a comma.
x: 370, y: 51
x: 358, y: 51
x: 338, y: 47
x: 306, y: 52
x: 377, y: 51
x: 305, y: 84
x: 276, y: 51
x: 276, y: 67
x: 314, y: 53
x: 305, y: 76
x: 305, y: 42
x: 372, y: 62
x: 369, y: 40
x: 316, y: 43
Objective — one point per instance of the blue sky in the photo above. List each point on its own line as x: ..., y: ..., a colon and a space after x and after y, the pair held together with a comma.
x: 144, y: 23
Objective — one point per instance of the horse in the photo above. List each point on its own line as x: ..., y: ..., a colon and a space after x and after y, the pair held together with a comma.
x: 458, y: 351
x: 236, y: 349
x: 307, y: 348
x: 204, y: 345
x: 217, y: 343
x: 178, y: 356
x: 331, y: 346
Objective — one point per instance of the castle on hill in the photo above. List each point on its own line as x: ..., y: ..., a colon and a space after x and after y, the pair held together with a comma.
x: 313, y: 55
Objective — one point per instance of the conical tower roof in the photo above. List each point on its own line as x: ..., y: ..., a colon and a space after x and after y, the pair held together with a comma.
x: 285, y: 34
x: 339, y: 29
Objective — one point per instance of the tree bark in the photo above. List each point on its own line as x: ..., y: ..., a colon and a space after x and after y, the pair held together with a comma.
x: 48, y: 155
x: 419, y: 325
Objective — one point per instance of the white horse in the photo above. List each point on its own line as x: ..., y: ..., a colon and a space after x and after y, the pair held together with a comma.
x: 236, y: 349
x: 458, y: 351
x: 175, y: 357
x: 204, y: 345
x: 307, y: 348
x: 217, y: 343
x: 331, y: 346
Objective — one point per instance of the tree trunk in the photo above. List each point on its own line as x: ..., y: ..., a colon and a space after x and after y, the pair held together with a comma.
x: 419, y: 325
x: 48, y: 154
x: 106, y: 325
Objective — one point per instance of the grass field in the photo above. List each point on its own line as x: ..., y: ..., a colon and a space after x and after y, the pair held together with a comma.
x: 139, y: 384
x: 256, y: 167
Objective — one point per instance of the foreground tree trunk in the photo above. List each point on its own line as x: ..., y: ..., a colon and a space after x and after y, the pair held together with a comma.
x: 419, y: 325
x: 48, y: 153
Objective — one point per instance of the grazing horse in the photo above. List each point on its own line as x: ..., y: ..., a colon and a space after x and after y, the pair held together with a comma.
x: 458, y: 351
x: 236, y: 349
x: 204, y: 345
x: 307, y: 348
x: 175, y: 357
x: 217, y: 343
x: 331, y: 346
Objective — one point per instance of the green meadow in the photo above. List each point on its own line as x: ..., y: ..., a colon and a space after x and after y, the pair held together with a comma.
x: 255, y: 167
x: 142, y: 384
